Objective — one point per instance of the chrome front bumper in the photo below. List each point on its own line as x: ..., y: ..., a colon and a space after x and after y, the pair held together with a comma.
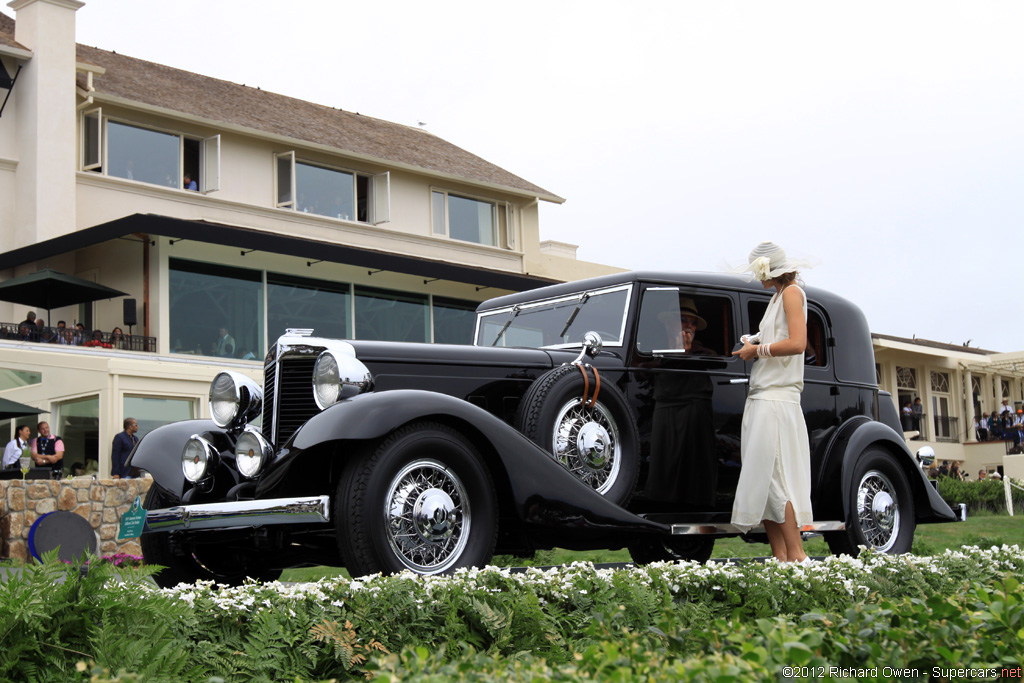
x: 242, y: 513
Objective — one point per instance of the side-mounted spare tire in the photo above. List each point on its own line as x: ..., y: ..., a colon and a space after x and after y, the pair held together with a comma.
x: 597, y: 441
x: 880, y: 509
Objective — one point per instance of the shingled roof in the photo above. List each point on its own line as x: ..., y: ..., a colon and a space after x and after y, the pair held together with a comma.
x: 161, y: 86
x: 934, y: 344
x: 7, y: 32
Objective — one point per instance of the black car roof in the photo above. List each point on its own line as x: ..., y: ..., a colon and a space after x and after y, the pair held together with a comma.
x: 854, y: 362
x: 735, y: 282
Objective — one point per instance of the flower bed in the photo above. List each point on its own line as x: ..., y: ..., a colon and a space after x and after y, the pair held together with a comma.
x: 664, y: 621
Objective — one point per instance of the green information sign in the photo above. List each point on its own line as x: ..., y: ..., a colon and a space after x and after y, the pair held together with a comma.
x: 133, y: 521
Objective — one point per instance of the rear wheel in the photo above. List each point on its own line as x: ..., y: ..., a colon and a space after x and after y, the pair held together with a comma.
x: 692, y: 548
x: 880, y: 512
x: 188, y: 564
x: 422, y: 500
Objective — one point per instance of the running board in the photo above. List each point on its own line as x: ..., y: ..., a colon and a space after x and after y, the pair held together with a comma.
x: 725, y: 528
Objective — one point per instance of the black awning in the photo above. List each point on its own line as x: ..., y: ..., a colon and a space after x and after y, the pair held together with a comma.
x: 247, y: 238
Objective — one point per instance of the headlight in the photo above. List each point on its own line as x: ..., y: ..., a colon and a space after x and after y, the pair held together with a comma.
x: 234, y: 399
x: 198, y: 458
x: 252, y: 452
x: 337, y: 376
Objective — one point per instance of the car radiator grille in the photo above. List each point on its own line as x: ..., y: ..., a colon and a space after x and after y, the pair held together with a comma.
x: 290, y: 393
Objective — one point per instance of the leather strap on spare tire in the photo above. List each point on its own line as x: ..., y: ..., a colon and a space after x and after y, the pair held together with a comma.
x: 593, y: 435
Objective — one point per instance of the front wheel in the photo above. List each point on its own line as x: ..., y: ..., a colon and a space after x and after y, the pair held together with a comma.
x: 422, y: 500
x: 880, y: 512
x: 691, y: 548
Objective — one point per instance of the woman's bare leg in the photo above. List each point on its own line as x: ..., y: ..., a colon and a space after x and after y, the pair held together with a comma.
x: 776, y: 539
x: 792, y: 540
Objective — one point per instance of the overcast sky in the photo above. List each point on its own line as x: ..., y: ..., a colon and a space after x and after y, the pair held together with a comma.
x: 884, y: 139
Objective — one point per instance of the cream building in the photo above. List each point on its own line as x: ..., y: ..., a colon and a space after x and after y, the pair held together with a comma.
x: 301, y: 215
x: 955, y: 384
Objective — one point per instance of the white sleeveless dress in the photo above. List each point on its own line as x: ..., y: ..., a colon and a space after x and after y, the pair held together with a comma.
x: 774, y: 447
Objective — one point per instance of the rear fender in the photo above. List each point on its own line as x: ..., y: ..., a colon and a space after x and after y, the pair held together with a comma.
x: 853, y: 439
x: 543, y: 491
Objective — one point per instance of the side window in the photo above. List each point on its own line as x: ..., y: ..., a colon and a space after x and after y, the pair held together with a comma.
x: 816, y: 354
x: 675, y: 319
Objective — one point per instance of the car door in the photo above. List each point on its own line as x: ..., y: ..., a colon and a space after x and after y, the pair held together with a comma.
x: 688, y: 391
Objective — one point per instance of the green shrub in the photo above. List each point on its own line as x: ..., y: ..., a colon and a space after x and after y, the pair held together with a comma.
x: 980, y: 495
x: 660, y: 622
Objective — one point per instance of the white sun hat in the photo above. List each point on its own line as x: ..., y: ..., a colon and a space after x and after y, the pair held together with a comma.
x: 768, y: 260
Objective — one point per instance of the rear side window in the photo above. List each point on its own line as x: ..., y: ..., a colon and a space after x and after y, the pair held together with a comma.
x: 670, y: 315
x: 816, y: 354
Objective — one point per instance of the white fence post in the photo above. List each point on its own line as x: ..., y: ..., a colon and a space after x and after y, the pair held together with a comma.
x: 1009, y: 495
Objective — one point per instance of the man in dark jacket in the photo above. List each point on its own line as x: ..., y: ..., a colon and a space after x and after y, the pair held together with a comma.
x: 122, y: 447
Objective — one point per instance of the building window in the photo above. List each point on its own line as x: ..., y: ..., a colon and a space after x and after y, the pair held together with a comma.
x: 906, y: 378
x: 296, y: 302
x: 454, y: 320
x: 13, y: 379
x: 216, y: 310
x: 940, y: 382
x: 878, y: 374
x: 1005, y: 389
x: 468, y: 219
x: 325, y: 191
x: 386, y: 315
x: 78, y: 426
x: 976, y: 386
x: 152, y: 412
x: 149, y: 156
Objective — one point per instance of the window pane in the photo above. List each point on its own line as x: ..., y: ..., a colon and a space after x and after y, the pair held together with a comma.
x: 284, y: 179
x: 390, y: 316
x: 324, y: 191
x: 548, y: 324
x: 151, y: 413
x: 362, y: 198
x: 437, y: 211
x: 304, y: 303
x: 140, y: 154
x: 454, y: 321
x: 208, y: 300
x: 91, y: 133
x: 470, y: 220
x: 708, y: 332
x: 78, y: 426
x: 12, y: 379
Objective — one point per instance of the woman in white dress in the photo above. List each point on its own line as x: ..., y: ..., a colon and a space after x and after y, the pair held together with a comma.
x: 775, y: 480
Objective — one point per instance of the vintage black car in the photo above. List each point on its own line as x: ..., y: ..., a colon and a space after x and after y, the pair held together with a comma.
x: 577, y: 419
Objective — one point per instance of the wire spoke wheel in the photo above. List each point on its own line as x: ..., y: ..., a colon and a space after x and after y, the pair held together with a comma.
x: 428, y: 516
x: 878, y: 511
x: 586, y: 441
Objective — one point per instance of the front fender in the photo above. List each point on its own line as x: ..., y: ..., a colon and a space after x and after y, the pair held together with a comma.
x: 159, y: 453
x: 543, y: 491
x: 854, y: 438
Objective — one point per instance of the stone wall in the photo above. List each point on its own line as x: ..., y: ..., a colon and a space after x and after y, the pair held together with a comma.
x: 100, y: 501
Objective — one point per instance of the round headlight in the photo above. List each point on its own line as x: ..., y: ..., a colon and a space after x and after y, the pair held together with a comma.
x: 198, y: 458
x: 252, y: 452
x: 337, y: 376
x: 234, y: 399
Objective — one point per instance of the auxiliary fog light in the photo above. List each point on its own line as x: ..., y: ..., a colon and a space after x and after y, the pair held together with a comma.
x: 198, y: 458
x: 252, y: 452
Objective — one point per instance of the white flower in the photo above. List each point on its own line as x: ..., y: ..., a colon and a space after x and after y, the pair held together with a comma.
x: 761, y: 266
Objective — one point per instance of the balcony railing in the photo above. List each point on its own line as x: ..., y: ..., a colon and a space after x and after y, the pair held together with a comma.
x: 69, y: 336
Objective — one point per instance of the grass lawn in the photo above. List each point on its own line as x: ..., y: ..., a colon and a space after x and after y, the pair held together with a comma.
x: 929, y: 539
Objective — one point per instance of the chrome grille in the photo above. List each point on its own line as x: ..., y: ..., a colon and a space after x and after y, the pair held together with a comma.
x: 269, y: 376
x: 295, y: 402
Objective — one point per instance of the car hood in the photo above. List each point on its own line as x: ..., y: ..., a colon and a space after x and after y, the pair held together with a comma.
x: 372, y: 352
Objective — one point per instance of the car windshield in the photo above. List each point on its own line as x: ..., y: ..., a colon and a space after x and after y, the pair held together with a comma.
x: 557, y: 322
